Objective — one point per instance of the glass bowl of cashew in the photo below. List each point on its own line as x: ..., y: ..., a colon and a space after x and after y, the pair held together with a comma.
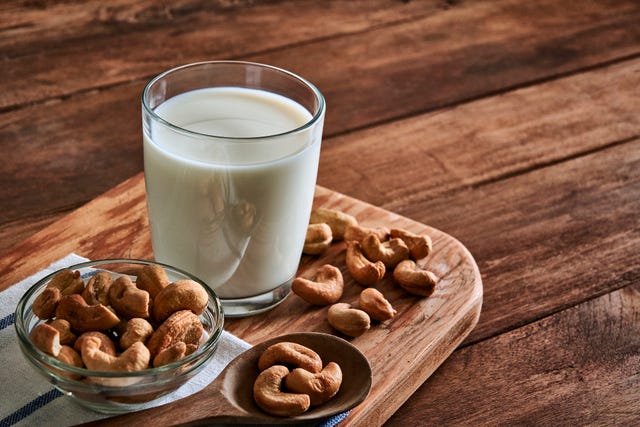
x: 118, y: 335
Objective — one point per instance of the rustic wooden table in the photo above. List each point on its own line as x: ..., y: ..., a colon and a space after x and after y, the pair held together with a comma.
x: 513, y: 126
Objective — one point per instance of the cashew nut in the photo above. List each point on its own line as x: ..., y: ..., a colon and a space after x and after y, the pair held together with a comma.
x: 348, y: 320
x: 180, y: 295
x: 97, y: 289
x: 64, y: 282
x: 182, y: 325
x: 106, y: 344
x: 362, y: 270
x: 318, y: 238
x: 358, y: 233
x: 127, y: 300
x: 45, y: 304
x: 67, y: 282
x: 390, y: 252
x: 67, y: 337
x: 71, y: 357
x: 290, y: 354
x: 135, y: 358
x: 175, y: 352
x: 46, y: 338
x: 152, y: 278
x: 84, y: 317
x: 376, y: 305
x: 338, y: 221
x: 269, y: 396
x: 413, y: 279
x: 320, y: 386
x: 420, y: 246
x: 325, y: 288
x: 136, y: 329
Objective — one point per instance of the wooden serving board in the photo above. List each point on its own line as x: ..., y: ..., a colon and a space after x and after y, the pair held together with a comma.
x: 403, y: 352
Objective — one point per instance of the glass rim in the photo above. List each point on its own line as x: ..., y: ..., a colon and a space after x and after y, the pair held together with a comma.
x: 310, y: 123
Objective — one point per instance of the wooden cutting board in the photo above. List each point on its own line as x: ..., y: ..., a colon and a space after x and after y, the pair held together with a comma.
x: 403, y: 351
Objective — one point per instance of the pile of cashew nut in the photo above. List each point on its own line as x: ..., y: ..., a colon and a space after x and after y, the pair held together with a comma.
x: 281, y: 392
x: 114, y: 324
x: 370, y: 254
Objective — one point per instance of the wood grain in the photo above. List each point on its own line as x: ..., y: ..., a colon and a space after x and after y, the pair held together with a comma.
x: 539, y: 235
x: 419, y: 41
x: 126, y: 41
x: 115, y: 225
x: 484, y: 141
x: 92, y: 142
x: 576, y: 367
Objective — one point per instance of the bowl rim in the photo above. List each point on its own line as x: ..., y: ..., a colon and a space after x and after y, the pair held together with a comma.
x: 22, y: 310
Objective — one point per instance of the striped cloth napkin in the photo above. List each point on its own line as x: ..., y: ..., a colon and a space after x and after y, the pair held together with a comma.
x: 27, y: 399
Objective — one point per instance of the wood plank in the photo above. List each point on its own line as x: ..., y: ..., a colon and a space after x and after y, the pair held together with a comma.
x: 576, y: 367
x: 485, y: 140
x: 537, y: 236
x: 43, y: 42
x: 109, y: 227
x: 437, y: 57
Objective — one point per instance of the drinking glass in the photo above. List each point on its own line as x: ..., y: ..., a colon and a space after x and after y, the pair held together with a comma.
x: 231, y: 152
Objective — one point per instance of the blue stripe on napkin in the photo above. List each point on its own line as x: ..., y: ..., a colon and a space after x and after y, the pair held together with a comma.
x: 30, y: 407
x: 7, y: 321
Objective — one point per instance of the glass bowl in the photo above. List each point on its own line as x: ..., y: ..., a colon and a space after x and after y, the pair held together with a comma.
x: 117, y: 392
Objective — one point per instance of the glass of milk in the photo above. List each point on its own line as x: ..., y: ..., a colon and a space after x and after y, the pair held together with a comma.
x: 231, y: 153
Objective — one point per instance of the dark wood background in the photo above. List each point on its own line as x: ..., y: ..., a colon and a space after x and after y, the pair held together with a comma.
x: 513, y: 126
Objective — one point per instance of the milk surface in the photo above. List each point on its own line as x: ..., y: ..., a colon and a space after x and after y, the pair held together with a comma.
x: 233, y: 212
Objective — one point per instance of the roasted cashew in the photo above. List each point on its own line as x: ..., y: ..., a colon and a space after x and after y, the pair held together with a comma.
x: 268, y: 394
x: 135, y: 358
x: 390, y: 252
x: 420, y: 246
x: 175, y: 352
x: 372, y: 302
x: 67, y: 282
x: 45, y: 304
x: 64, y: 282
x: 71, y: 357
x: 338, y: 221
x: 106, y: 344
x: 136, y: 329
x: 325, y: 288
x: 46, y: 338
x: 358, y: 233
x: 318, y: 239
x: 84, y: 317
x: 182, y: 325
x: 348, y: 320
x: 320, y: 386
x: 290, y: 354
x: 180, y: 295
x: 67, y: 337
x: 413, y: 279
x: 362, y: 270
x: 152, y: 278
x: 127, y: 300
x: 97, y: 289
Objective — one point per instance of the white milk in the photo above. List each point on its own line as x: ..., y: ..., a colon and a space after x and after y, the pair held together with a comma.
x: 232, y: 212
